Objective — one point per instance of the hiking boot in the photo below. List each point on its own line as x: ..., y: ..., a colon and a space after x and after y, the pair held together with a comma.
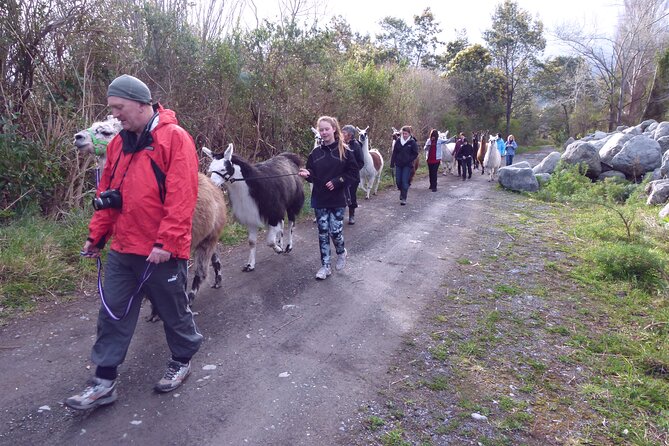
x: 324, y: 272
x: 341, y: 260
x: 351, y: 220
x: 98, y: 392
x: 403, y: 202
x: 174, y: 376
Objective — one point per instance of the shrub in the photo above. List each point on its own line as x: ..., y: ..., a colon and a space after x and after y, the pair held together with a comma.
x: 637, y: 264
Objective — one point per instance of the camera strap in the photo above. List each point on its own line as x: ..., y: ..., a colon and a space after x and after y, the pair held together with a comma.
x: 150, y: 267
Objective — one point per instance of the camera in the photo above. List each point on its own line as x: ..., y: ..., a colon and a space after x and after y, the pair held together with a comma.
x: 109, y: 199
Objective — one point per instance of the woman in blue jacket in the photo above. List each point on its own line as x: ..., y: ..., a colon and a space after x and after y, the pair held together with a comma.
x: 510, y: 147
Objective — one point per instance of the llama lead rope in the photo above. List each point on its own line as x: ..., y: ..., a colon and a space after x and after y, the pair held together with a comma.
x: 145, y: 276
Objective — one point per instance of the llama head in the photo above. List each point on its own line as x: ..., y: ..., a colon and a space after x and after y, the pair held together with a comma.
x: 221, y: 167
x: 94, y: 139
x: 362, y: 133
x: 396, y: 133
x: 317, y: 137
x: 442, y: 135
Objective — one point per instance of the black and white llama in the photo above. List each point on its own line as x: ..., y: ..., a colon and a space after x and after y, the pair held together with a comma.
x: 261, y: 194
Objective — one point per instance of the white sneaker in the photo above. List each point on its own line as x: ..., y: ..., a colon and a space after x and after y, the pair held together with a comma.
x: 324, y: 272
x: 98, y: 392
x: 174, y: 376
x: 341, y: 261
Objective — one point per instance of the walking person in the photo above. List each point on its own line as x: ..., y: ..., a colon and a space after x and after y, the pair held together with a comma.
x: 501, y: 145
x: 510, y: 148
x: 456, y: 151
x: 349, y: 133
x: 405, y: 152
x: 466, y: 155
x: 331, y: 168
x: 433, y: 153
x: 145, y: 203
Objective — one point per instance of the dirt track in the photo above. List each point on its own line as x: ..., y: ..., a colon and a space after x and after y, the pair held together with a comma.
x: 294, y: 357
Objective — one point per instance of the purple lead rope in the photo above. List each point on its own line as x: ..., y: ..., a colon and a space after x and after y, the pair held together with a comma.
x: 145, y: 276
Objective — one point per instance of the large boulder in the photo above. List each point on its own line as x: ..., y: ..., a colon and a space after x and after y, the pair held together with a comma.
x: 568, y: 142
x: 639, y: 155
x: 664, y: 165
x: 634, y: 131
x: 613, y: 145
x: 658, y: 192
x: 548, y: 164
x: 651, y: 128
x: 599, y: 143
x: 585, y: 153
x: 646, y: 124
x: 664, y: 213
x: 520, y: 179
x: 663, y: 141
x: 661, y: 130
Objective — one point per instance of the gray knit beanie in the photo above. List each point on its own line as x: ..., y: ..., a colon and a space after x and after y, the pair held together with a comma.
x: 129, y: 87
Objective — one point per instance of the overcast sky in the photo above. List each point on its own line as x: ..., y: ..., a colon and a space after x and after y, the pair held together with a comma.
x: 452, y: 15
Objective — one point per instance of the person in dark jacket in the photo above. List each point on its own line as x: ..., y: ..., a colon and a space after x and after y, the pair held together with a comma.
x: 465, y: 156
x: 331, y: 168
x: 405, y: 151
x: 349, y: 133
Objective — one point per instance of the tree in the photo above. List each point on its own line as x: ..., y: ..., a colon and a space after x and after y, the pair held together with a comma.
x: 658, y: 99
x: 514, y: 41
x: 396, y: 39
x: 557, y: 84
x: 477, y: 88
x: 424, y: 40
x: 624, y: 63
x: 452, y: 49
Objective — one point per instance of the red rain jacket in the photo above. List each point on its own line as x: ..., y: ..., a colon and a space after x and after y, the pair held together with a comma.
x: 146, y: 219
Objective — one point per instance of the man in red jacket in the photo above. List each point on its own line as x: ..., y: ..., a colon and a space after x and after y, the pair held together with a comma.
x: 144, y: 204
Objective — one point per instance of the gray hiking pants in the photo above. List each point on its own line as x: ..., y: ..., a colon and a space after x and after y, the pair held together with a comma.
x: 166, y: 288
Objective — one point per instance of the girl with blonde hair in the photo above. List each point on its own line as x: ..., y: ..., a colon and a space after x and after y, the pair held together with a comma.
x: 331, y: 168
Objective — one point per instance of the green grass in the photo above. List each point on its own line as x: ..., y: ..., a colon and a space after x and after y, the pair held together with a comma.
x: 40, y: 259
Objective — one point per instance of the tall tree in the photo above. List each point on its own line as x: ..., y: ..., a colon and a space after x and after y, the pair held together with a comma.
x: 515, y: 42
x: 424, y: 39
x: 477, y: 88
x: 624, y: 63
x: 395, y: 39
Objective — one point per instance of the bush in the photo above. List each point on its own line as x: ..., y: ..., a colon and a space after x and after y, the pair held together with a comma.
x: 565, y: 183
x: 637, y: 264
x: 28, y: 174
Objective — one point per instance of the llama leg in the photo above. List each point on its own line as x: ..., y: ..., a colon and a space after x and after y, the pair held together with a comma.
x: 273, y: 234
x: 253, y: 237
x: 201, y: 264
x: 289, y: 236
x: 216, y: 264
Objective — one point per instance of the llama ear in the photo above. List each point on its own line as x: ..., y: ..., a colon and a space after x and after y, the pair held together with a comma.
x: 366, y: 128
x: 228, y: 152
x: 207, y: 152
x: 315, y: 132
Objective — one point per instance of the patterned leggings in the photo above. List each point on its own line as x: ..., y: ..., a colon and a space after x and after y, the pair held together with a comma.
x: 330, y: 225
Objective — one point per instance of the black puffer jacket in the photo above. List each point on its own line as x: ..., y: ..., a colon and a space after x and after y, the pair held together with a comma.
x: 404, y: 155
x: 324, y: 165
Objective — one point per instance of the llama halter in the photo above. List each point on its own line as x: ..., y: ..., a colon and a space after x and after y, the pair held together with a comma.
x: 99, y: 145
